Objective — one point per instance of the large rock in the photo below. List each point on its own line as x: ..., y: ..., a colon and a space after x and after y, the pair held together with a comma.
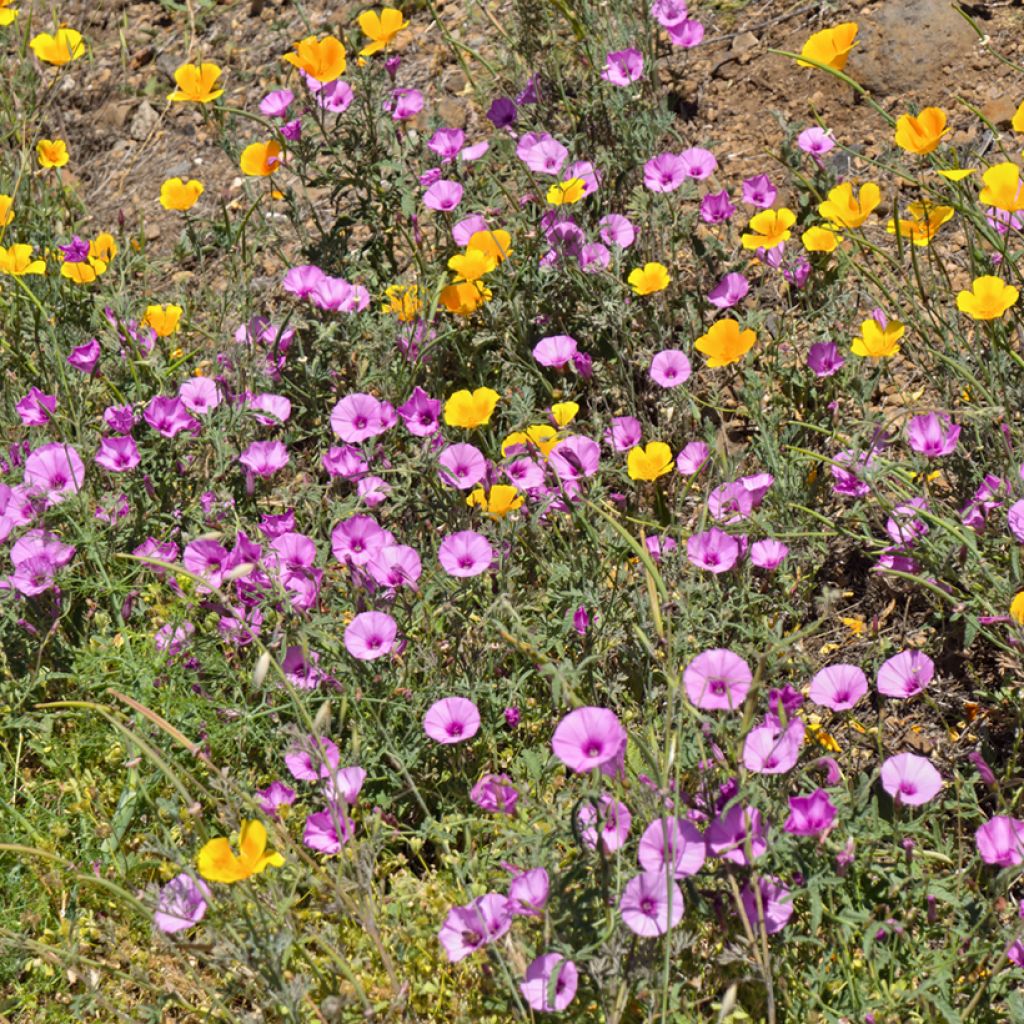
x: 904, y: 45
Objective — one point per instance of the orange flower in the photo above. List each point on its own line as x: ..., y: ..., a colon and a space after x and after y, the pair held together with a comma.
x: 498, y: 501
x: 725, y: 343
x: 217, y: 862
x: 196, y: 83
x: 322, y: 59
x: 1017, y: 124
x: 830, y: 47
x: 989, y: 298
x: 380, y: 28
x: 404, y: 301
x: 923, y: 133
x: 63, y: 46
x: 52, y: 153
x: 17, y: 261
x: 465, y: 298
x: 925, y: 221
x: 260, y: 159
x: 497, y: 243
x: 649, y: 463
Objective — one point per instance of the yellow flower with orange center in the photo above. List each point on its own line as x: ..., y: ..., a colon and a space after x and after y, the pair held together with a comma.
x: 769, y: 228
x: 567, y: 192
x: 469, y: 409
x: 648, y: 279
x: 196, y: 83
x: 52, y: 153
x: 830, y: 47
x: 876, y: 341
x: 922, y: 133
x: 403, y: 301
x: 217, y: 862
x: 497, y: 502
x: 845, y: 210
x: 925, y: 221
x: 17, y: 261
x: 322, y: 59
x: 63, y: 46
x: 496, y: 243
x: 380, y: 28
x: 162, y: 320
x: 465, y: 298
x: 471, y: 265
x: 176, y: 194
x: 819, y: 239
x: 725, y: 343
x: 989, y: 298
x: 1003, y: 188
x: 649, y: 463
x: 261, y: 159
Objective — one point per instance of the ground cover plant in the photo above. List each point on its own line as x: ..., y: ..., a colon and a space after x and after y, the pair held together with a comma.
x: 517, y: 568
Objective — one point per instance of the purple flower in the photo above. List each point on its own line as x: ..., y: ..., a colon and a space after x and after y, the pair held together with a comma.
x: 35, y: 408
x: 451, y: 720
x: 550, y: 983
x: 420, y: 413
x: 396, y: 565
x: 199, y: 395
x: 651, y: 904
x: 768, y: 554
x: 76, y: 251
x: 1000, y: 841
x: 669, y: 13
x: 717, y: 680
x: 698, y: 163
x: 838, y: 687
x: 769, y: 750
x: 336, y: 97
x: 617, y: 230
x: 465, y: 554
x: 119, y: 418
x: 729, y: 291
x: 716, y: 207
x: 594, y: 257
x: 815, y: 141
x: 759, y: 191
x: 270, y: 410
x: 810, y: 815
x: 670, y: 368
x: 713, y: 550
x: 443, y: 195
x: 687, y: 34
x: 530, y: 93
x: 276, y: 795
x: 502, y: 112
x: 846, y: 469
x: 469, y: 928
x: 932, y: 435
x: 555, y: 350
x: 404, y: 104
x: 344, y: 461
x: 673, y: 845
x: 292, y: 131
x: 775, y: 902
x: 729, y: 835
x: 624, y: 433
x: 905, y: 674
x: 181, y: 903
x: 276, y: 104
x: 665, y: 172
x: 117, y: 454
x: 528, y: 892
x: 825, y: 359
x: 462, y: 466
x: 495, y: 793
x: 574, y: 458
x: 541, y: 153
x: 609, y: 821
x: 370, y: 635
x: 446, y: 143
x: 373, y: 490
x: 264, y: 458
x: 589, y: 738
x: 314, y: 759
x: 327, y: 831
x: 332, y: 294
x: 301, y: 281
x: 623, y: 67
x: 55, y: 470
x: 84, y: 357
x: 359, y: 416
x: 168, y: 416
x: 910, y: 779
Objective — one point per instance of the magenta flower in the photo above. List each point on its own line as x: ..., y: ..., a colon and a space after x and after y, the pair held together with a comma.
x: 35, y: 409
x: 206, y: 559
x: 541, y: 153
x: 1000, y: 841
x: 589, y: 738
x: 327, y: 831
x: 768, y: 554
x: 670, y: 368
x: 495, y: 793
x: 759, y: 191
x: 451, y: 720
x: 574, y: 457
x: 556, y: 350
x: 594, y: 257
x: 737, y: 835
x: 502, y: 112
x: 469, y: 928
x: 698, y: 163
x: 713, y: 550
x: 462, y: 466
x: 316, y: 758
x: 465, y: 554
x: 1015, y: 520
x: 344, y: 461
x: 669, y: 13
x: 270, y: 410
x: 119, y: 418
x: 617, y: 230
x: 345, y: 785
x: 55, y: 470
x: 276, y: 104
x: 446, y: 143
x: 528, y: 892
x: 301, y: 281
x: 181, y: 904
x: 932, y: 436
x: 168, y: 416
x: 396, y: 565
x: 443, y: 195
x: 729, y: 291
x: 905, y: 674
x: 370, y: 635
x: 335, y: 97
x: 692, y: 458
x: 776, y: 904
x: 687, y: 34
x: 550, y: 983
x: 717, y: 680
x: 358, y: 540
x: 373, y: 490
x: 420, y: 413
x: 463, y: 230
x: 910, y: 779
x: 651, y: 904
x: 117, y: 454
x: 301, y: 670
x: 716, y: 207
x: 359, y: 416
x: 769, y: 750
x: 199, y: 395
x: 665, y: 172
x: 404, y: 104
x: 624, y: 433
x: 332, y: 294
x: 674, y: 845
x: 846, y: 469
x: 623, y: 67
x: 264, y: 458
x: 825, y: 359
x: 608, y: 822
x: 815, y: 141
x: 811, y: 815
x: 84, y: 357
x: 838, y: 687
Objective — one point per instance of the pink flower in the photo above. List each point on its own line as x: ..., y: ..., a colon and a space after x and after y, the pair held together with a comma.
x: 544, y: 994
x: 358, y: 540
x: 910, y: 779
x: 181, y: 904
x: 698, y: 163
x: 665, y: 172
x: 624, y: 433
x: 609, y: 821
x: 651, y: 904
x: 1000, y: 841
x: 729, y: 291
x: 589, y: 738
x: 768, y: 554
x: 168, y: 416
x: 276, y: 104
x: 443, y: 195
x: 692, y: 458
x: 810, y: 815
x: 302, y: 281
x: 815, y: 141
x: 905, y: 674
x: 713, y: 550
x: 623, y: 67
x: 345, y: 785
x: 370, y: 635
x: 673, y: 845
x: 314, y: 759
x: 932, y: 436
x: 336, y: 97
x: 838, y: 687
x: 199, y: 395
x: 769, y: 750
x: 360, y: 416
x: 824, y: 359
x: 730, y: 834
x: 687, y: 33
x: 528, y: 891
x: 541, y: 153
x: 117, y: 454
x: 404, y: 104
x: 670, y: 368
x: 264, y: 458
x: 465, y: 554
x: 327, y: 831
x: 452, y: 720
x: 669, y: 13
x: 469, y: 928
x: 574, y: 457
x: 556, y: 350
x: 462, y: 466
x: 717, y: 680
x: 35, y: 408
x: 495, y: 793
x: 617, y: 230
x: 420, y: 413
x: 774, y: 909
x: 759, y: 191
x: 55, y: 470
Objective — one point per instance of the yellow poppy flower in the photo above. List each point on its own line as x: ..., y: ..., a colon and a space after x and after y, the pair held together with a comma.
x: 831, y: 46
x: 6, y: 211
x: 957, y: 173
x: 465, y: 298
x: 103, y: 247
x: 923, y: 133
x: 769, y: 228
x: 563, y: 413
x: 1017, y: 609
x: 470, y: 409
x: 845, y: 211
x: 322, y: 59
x: 52, y: 153
x: 497, y: 502
x: 381, y: 28
x: 471, y: 265
x: 261, y: 159
x: 1003, y: 188
x: 196, y: 83
x: 497, y: 243
x: 541, y: 436
x: 725, y: 343
x: 877, y: 342
x: 17, y: 261
x: 649, y: 463
x: 217, y: 862
x: 989, y: 298
x: 403, y: 301
x: 648, y: 279
x: 567, y: 192
x: 925, y: 221
x: 63, y: 46
x: 819, y: 239
x: 1017, y: 122
x: 176, y: 194
x: 163, y: 320
x: 7, y: 13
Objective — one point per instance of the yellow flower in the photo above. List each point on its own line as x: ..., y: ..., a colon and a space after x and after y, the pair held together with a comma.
x: 1017, y: 124
x: 465, y: 298
x: 260, y: 159
x: 498, y: 501
x: 831, y: 46
x: 82, y: 273
x: 380, y: 28
x: 471, y: 265
x: 470, y: 409
x: 176, y: 194
x: 925, y: 221
x: 52, y: 152
x: 217, y: 862
x: 103, y: 247
x: 877, y: 342
x: 567, y: 192
x: 541, y: 435
x: 17, y: 261
x: 818, y: 239
x: 403, y: 301
x: 988, y: 299
x: 63, y: 46
x: 7, y: 13
x: 322, y: 59
x: 769, y: 228
x: 1002, y: 188
x: 6, y: 211
x: 650, y: 278
x: 196, y: 83
x: 563, y: 413
x: 162, y: 319
x: 495, y: 243
x: 1017, y: 608
x: 649, y: 463
x: 842, y: 209
x: 923, y: 133
x: 957, y: 173
x: 725, y: 343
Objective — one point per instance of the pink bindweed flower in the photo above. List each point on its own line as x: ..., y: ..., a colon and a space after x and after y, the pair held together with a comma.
x: 36, y: 408
x: 692, y: 459
x: 669, y: 13
x: 1000, y: 841
x: 199, y: 395
x: 768, y: 554
x: 270, y: 410
x: 623, y: 67
x: 770, y: 750
x: 651, y: 904
x: 312, y: 760
x: 302, y: 281
x: 815, y: 141
x: 276, y: 103
x: 617, y: 230
x: 811, y: 815
x: 541, y: 153
x: 838, y: 687
x: 609, y: 821
x: 264, y: 458
x: 327, y: 831
x: 713, y: 550
x: 335, y: 97
x: 732, y: 289
x: 665, y: 172
x: 674, y: 845
x: 502, y: 112
x: 717, y: 680
x: 670, y: 368
x: 549, y: 985
x: 344, y: 786
x: 373, y: 490
x: 465, y: 554
x: 169, y: 417
x: 847, y: 469
x: 589, y: 738
x: 687, y: 33
x: 910, y: 779
x: 276, y: 795
x: 84, y: 357
x: 594, y: 257
x: 420, y: 413
x: 359, y: 416
x: 716, y: 207
x: 932, y: 436
x: 824, y: 359
x: 658, y: 547
x: 452, y: 720
x: 733, y: 831
x: 370, y: 635
x: 300, y: 668
x: 528, y: 891
x: 573, y: 458
x: 555, y: 351
x: 446, y: 143
x: 776, y: 905
x: 905, y: 674
x: 1015, y: 520
x: 698, y: 163
x: 443, y: 195
x: 462, y: 466
x: 404, y: 104
x: 581, y: 620
x: 463, y: 230
x: 358, y: 540
x: 181, y: 904
x: 495, y: 793
x: 55, y: 471
x: 345, y: 462
x: 759, y: 191
x: 624, y: 433
x: 117, y: 454
x: 469, y: 928
x: 587, y: 173
x: 396, y: 565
